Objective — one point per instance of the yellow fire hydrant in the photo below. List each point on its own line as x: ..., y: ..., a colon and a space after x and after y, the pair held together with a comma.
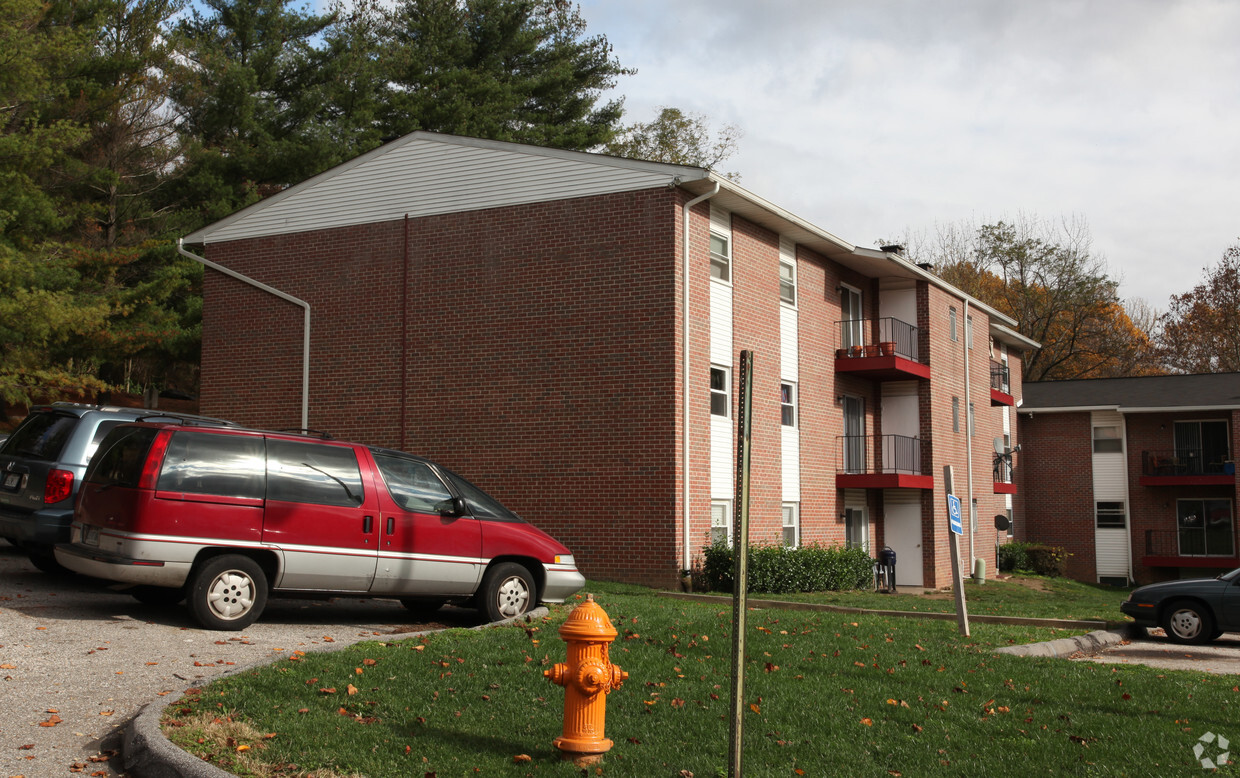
x: 587, y: 677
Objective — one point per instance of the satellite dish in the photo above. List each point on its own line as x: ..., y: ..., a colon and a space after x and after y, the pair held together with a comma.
x: 1002, y: 521
x: 999, y: 447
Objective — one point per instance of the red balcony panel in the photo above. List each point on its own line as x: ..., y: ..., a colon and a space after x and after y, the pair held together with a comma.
x: 1003, y: 488
x: 882, y: 368
x: 998, y: 397
x: 883, y: 481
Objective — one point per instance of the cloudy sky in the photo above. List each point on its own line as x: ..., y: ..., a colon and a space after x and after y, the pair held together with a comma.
x: 880, y: 118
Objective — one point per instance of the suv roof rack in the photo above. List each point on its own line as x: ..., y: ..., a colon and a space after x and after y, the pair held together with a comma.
x: 313, y: 433
x: 184, y: 419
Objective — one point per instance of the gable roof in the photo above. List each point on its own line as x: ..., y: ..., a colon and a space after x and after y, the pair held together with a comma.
x: 1145, y: 394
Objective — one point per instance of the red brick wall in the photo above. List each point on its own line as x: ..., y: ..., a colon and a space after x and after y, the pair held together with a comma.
x: 1054, y: 504
x: 540, y: 357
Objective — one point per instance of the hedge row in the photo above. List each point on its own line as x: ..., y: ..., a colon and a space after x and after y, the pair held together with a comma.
x: 1033, y: 557
x: 778, y: 569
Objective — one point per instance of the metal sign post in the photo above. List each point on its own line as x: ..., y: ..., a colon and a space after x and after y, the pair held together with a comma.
x: 957, y: 527
x: 740, y: 570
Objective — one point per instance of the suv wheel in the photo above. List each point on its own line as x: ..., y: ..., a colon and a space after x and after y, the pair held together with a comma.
x: 227, y: 592
x: 507, y: 591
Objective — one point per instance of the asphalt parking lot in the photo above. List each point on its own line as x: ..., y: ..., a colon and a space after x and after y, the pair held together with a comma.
x: 79, y: 660
x: 1221, y: 656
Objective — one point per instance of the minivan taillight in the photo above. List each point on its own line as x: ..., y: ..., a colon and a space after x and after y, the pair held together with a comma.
x: 58, y: 487
x: 154, y: 460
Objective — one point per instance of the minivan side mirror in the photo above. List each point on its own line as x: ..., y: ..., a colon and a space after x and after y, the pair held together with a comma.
x: 452, y: 507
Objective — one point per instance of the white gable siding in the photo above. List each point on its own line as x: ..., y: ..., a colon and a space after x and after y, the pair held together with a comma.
x: 421, y: 175
x: 1110, y: 469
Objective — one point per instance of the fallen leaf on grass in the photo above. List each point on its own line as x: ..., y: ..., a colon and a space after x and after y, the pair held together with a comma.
x: 522, y: 758
x: 867, y: 722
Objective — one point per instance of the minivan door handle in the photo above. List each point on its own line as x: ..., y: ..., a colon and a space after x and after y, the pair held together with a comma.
x: 391, y: 525
x: 367, y: 523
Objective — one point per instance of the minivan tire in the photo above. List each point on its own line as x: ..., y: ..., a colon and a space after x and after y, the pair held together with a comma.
x: 227, y: 592
x: 507, y: 592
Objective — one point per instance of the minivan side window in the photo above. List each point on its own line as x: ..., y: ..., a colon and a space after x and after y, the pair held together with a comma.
x: 412, y: 484
x: 120, y: 457
x: 220, y: 465
x: 313, y: 473
x: 481, y: 504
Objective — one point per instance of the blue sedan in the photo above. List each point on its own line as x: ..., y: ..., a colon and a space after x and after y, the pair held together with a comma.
x: 1194, y: 610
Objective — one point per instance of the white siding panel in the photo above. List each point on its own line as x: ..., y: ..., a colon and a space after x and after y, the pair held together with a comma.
x: 1110, y: 470
x: 720, y: 324
x: 722, y: 469
x: 787, y: 343
x: 1111, y: 551
x: 423, y: 176
x: 721, y: 221
x: 790, y: 463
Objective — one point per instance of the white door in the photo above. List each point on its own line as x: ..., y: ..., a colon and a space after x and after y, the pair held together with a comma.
x: 902, y: 531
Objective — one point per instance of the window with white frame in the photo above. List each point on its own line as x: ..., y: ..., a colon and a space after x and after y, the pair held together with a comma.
x: 788, y: 283
x: 968, y: 331
x: 973, y: 515
x: 792, y: 528
x: 856, y: 528
x: 951, y: 324
x: 721, y: 524
x: 720, y: 391
x: 1011, y: 530
x: 1110, y: 514
x: 1107, y: 440
x: 955, y: 414
x: 788, y: 404
x: 720, y: 257
x: 972, y: 426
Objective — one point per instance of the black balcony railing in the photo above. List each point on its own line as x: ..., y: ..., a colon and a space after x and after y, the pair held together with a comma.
x: 1187, y: 542
x: 1000, y: 377
x: 1003, y: 470
x: 893, y: 337
x: 1187, y: 461
x: 865, y: 454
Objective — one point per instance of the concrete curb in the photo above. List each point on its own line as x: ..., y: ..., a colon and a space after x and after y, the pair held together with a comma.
x: 147, y: 753
x: 1091, y: 643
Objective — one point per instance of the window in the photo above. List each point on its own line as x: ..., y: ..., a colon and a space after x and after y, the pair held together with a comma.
x: 720, y: 524
x: 720, y: 387
x: 1011, y: 530
x: 1202, y: 445
x: 313, y: 473
x: 121, y: 457
x: 481, y: 505
x: 788, y: 404
x: 412, y: 484
x: 791, y: 525
x: 973, y: 516
x: 720, y: 258
x: 1205, y: 527
x: 856, y: 528
x: 972, y: 426
x: 1110, y: 514
x: 788, y: 283
x: 968, y: 331
x: 1107, y: 440
x: 951, y: 324
x: 955, y: 414
x: 221, y: 465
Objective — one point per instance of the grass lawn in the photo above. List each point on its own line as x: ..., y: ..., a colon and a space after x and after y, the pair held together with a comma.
x: 1025, y: 595
x: 827, y: 694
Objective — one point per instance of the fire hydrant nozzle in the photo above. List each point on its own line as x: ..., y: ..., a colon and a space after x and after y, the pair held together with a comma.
x: 587, y: 676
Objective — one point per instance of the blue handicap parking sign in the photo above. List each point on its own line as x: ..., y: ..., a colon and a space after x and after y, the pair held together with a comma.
x: 953, y: 511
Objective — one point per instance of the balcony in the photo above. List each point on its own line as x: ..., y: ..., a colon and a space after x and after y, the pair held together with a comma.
x: 1004, y: 475
x: 881, y: 462
x: 893, y: 356
x: 1174, y: 548
x: 1187, y: 467
x: 1001, y: 384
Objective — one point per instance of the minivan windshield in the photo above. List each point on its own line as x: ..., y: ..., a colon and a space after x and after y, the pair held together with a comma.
x: 481, y: 504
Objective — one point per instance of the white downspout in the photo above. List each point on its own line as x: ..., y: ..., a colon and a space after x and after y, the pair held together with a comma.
x: 969, y: 423
x: 686, y: 556
x: 305, y: 360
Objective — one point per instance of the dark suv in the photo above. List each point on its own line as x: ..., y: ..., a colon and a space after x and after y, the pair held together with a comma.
x: 41, y: 467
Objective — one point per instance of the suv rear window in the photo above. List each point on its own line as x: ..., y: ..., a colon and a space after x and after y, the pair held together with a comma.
x: 121, y: 456
x: 41, y: 436
x: 313, y: 473
x: 220, y: 465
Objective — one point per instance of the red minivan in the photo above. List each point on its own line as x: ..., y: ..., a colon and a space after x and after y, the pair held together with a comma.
x: 221, y: 517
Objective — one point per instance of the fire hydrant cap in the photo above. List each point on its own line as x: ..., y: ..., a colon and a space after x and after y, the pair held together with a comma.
x: 588, y: 622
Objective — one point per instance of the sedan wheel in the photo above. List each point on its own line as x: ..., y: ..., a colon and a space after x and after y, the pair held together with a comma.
x: 507, y: 591
x: 1188, y: 622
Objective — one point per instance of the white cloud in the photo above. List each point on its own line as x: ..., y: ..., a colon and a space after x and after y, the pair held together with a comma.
x: 872, y: 117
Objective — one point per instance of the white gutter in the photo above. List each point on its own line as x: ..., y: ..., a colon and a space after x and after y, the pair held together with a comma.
x: 970, y: 428
x: 1122, y: 409
x: 687, y: 375
x: 305, y: 360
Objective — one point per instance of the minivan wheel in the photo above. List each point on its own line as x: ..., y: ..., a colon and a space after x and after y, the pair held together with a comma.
x: 1188, y: 622
x: 227, y: 592
x: 507, y: 591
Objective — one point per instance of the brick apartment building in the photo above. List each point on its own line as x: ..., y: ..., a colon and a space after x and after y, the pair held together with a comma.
x: 1134, y: 477
x: 521, y: 315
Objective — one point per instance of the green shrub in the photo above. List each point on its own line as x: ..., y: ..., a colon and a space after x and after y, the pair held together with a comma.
x: 777, y: 569
x: 1033, y: 557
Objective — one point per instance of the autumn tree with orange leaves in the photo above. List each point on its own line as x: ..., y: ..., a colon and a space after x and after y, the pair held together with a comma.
x: 1201, y: 330
x: 1047, y: 279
